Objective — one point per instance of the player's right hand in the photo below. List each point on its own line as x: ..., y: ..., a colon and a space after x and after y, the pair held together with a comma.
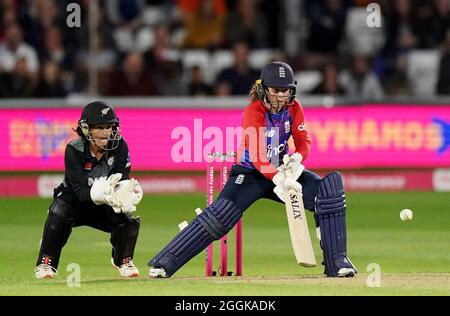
x: 102, y: 191
x: 290, y: 184
x: 283, y: 184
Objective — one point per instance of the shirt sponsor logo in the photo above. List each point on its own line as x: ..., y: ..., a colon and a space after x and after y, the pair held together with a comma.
x: 302, y: 127
x: 270, y: 133
x: 275, y: 150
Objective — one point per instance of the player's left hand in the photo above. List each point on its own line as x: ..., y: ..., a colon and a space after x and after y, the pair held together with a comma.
x: 293, y: 165
x: 129, y: 194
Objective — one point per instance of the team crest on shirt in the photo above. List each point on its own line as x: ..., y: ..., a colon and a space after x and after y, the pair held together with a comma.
x: 110, y: 161
x: 287, y: 127
x: 88, y: 166
x: 240, y: 179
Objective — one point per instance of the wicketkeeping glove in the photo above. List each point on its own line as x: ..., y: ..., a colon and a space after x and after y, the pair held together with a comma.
x: 129, y: 194
x: 102, y: 191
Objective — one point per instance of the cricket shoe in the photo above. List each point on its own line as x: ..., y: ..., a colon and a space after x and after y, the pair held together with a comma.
x: 127, y: 269
x: 347, y: 269
x: 345, y: 266
x: 157, y: 273
x: 45, y: 271
x: 346, y: 272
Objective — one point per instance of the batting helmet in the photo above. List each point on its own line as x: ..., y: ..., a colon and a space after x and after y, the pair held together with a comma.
x: 276, y: 75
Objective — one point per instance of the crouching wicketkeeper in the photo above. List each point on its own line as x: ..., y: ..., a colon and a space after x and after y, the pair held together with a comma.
x: 95, y: 192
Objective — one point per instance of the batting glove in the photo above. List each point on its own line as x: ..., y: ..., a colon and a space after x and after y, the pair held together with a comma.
x: 293, y: 165
x: 283, y: 184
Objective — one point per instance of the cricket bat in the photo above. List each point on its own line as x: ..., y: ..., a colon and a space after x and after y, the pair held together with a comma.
x: 298, y: 229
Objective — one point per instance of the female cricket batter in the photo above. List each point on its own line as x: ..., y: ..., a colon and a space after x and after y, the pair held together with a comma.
x: 273, y: 116
x: 88, y: 197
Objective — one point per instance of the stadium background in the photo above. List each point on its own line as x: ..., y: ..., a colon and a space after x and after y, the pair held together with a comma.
x: 165, y: 65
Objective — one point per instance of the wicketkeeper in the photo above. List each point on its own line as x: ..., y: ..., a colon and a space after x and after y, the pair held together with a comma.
x: 96, y: 192
x: 273, y: 116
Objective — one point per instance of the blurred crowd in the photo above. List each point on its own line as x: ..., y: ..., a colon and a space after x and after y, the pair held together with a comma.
x: 216, y: 47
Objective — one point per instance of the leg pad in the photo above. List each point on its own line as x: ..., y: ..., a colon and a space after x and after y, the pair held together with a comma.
x: 57, y: 230
x: 213, y: 223
x: 330, y: 213
x: 123, y: 240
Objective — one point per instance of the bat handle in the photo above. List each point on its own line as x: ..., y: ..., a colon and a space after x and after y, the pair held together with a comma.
x: 285, y: 163
x: 285, y: 159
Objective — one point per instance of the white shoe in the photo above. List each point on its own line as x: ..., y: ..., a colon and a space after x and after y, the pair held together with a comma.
x: 157, y: 273
x: 127, y: 270
x: 45, y: 271
x: 346, y: 272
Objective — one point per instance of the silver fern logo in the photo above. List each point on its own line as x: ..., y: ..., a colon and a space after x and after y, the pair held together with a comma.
x: 105, y: 111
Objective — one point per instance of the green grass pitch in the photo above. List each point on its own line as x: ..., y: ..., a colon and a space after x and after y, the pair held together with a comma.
x: 413, y: 257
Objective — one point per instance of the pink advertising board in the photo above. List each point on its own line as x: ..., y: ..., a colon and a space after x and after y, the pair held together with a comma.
x: 178, y: 139
x: 405, y: 180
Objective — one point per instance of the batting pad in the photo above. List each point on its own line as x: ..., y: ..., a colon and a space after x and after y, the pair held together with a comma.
x: 212, y: 224
x: 330, y: 210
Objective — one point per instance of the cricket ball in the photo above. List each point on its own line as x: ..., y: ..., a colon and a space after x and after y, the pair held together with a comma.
x: 406, y: 215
